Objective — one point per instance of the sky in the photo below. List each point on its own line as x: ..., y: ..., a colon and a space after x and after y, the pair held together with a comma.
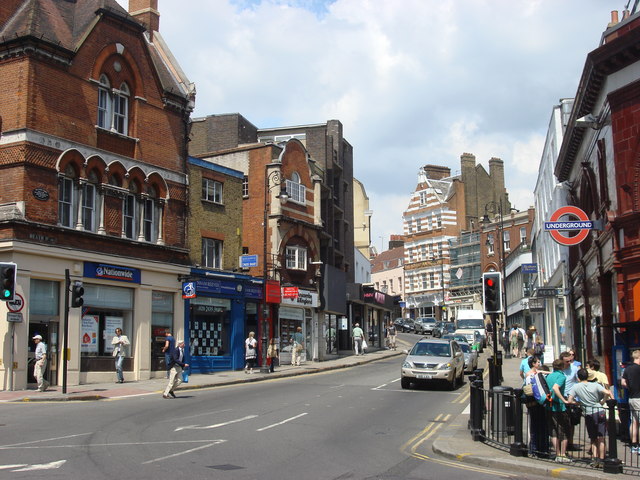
x: 414, y: 82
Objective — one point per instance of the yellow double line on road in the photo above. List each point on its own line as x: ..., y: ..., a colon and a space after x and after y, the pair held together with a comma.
x: 410, y: 448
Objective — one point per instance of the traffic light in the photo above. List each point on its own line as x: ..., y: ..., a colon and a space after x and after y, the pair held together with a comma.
x: 8, y: 277
x: 492, y: 292
x: 77, y: 291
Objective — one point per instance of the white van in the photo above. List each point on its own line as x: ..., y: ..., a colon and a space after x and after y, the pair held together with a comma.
x: 469, y: 322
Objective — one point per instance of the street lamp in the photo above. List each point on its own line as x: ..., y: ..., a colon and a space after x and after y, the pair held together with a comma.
x: 283, y: 196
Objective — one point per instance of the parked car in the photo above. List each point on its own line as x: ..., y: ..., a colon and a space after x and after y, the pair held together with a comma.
x: 433, y: 360
x: 470, y: 357
x: 425, y: 325
x: 442, y: 328
x: 456, y: 337
x: 408, y: 325
x: 472, y: 337
x: 398, y: 323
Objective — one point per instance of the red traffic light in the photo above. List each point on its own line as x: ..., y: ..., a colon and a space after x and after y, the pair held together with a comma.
x: 490, y: 282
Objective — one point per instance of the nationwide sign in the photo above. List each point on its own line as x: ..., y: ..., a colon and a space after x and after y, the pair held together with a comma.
x: 582, y: 225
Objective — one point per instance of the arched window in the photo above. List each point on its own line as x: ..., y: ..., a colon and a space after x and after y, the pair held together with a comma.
x: 129, y: 208
x: 296, y: 191
x: 89, y: 194
x: 121, y: 109
x: 150, y: 216
x: 104, y: 103
x: 66, y: 197
x: 113, y: 106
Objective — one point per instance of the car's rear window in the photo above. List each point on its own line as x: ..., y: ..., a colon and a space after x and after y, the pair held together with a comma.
x: 431, y: 349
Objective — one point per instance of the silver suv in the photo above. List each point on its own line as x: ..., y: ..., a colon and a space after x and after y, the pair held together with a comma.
x: 425, y: 325
x: 433, y: 360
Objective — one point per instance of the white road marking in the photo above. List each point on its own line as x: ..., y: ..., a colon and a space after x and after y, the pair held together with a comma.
x: 208, y: 427
x: 42, y: 466
x: 44, y: 440
x: 91, y: 445
x: 184, y: 453
x: 281, y: 423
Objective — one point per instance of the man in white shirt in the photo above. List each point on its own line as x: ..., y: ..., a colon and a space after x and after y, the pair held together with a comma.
x: 41, y: 363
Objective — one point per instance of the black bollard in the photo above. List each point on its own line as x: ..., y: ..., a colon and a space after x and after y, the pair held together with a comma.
x: 476, y: 400
x: 612, y: 463
x: 518, y: 448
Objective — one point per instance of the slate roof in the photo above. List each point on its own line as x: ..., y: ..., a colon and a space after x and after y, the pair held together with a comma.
x: 63, y: 25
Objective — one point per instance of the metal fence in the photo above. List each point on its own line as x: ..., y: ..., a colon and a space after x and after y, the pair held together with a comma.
x: 500, y: 417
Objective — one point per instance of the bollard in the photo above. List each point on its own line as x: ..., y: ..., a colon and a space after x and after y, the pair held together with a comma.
x: 476, y: 399
x: 612, y: 463
x: 518, y: 448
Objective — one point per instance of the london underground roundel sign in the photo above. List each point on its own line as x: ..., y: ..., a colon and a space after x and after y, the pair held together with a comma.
x: 582, y: 225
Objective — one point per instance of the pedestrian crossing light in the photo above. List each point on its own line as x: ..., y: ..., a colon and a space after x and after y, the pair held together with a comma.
x: 77, y: 291
x: 8, y: 278
x: 492, y: 292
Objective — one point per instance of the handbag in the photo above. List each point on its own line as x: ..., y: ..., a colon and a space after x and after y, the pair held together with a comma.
x: 299, y: 347
x: 364, y: 344
x: 185, y: 376
x: 575, y: 414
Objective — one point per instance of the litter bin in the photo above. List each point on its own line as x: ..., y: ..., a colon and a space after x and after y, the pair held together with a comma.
x: 502, y: 410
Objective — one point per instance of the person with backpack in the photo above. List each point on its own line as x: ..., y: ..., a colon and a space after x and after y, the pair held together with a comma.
x: 538, y: 430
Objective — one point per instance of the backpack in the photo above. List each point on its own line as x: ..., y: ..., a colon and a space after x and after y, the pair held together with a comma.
x: 538, y: 349
x: 539, y: 388
x: 520, y: 336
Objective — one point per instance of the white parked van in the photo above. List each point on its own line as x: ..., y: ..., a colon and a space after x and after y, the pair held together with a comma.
x: 469, y: 322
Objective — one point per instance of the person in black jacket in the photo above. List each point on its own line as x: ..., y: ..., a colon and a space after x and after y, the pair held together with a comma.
x: 176, y: 366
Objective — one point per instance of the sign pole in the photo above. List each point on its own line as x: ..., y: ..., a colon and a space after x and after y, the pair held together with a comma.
x: 12, y: 326
x: 65, y: 331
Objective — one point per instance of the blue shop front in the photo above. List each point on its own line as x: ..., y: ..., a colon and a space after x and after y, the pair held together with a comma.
x: 220, y: 311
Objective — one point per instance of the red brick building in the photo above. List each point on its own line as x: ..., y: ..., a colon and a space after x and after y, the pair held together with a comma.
x: 599, y: 162
x: 93, y: 121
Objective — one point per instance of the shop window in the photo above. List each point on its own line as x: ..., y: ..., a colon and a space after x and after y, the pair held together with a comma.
x: 210, y: 327
x: 105, y: 309
x: 211, y: 253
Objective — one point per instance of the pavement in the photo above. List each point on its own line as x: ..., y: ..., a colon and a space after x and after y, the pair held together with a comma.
x: 454, y: 442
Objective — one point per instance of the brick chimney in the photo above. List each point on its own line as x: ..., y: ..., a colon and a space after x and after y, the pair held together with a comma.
x: 437, y: 172
x: 146, y: 12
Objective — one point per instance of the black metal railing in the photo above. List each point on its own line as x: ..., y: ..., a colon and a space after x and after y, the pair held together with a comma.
x: 502, y: 418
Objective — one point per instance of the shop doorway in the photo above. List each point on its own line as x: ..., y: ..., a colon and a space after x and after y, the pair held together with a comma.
x: 49, y: 333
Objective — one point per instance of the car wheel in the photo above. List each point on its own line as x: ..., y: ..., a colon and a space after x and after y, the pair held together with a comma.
x: 405, y: 383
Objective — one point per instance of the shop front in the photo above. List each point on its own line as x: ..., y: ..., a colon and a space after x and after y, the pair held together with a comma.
x: 298, y: 311
x: 220, y: 311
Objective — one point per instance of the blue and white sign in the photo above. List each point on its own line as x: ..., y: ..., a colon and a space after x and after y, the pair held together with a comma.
x: 111, y: 272
x: 569, y: 225
x: 188, y: 290
x: 529, y: 268
x: 248, y: 261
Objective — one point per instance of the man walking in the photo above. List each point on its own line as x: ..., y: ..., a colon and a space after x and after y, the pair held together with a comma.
x: 631, y: 381
x: 175, y: 375
x: 358, y: 336
x: 41, y: 363
x: 391, y: 336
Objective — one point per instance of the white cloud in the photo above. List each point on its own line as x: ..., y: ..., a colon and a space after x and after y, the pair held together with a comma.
x: 413, y: 81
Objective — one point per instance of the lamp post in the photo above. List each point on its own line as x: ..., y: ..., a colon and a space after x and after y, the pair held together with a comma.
x: 278, y: 181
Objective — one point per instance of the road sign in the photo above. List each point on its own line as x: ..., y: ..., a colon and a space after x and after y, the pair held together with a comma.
x: 248, y: 261
x: 546, y: 292
x: 529, y: 268
x: 17, y: 304
x: 14, y: 317
x: 583, y: 225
